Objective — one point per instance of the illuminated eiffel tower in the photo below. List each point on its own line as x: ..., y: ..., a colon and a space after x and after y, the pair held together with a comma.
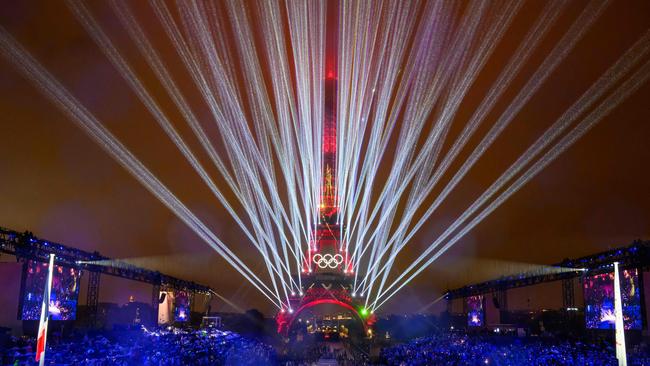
x: 327, y: 269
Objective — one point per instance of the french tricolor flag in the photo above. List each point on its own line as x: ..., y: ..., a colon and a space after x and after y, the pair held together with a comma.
x: 45, y: 315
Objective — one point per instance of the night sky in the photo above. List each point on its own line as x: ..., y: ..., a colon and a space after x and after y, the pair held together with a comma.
x: 57, y: 183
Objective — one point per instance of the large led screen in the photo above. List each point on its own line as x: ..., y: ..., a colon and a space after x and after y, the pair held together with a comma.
x: 599, y: 300
x: 64, y: 295
x: 475, y: 311
x: 181, y: 307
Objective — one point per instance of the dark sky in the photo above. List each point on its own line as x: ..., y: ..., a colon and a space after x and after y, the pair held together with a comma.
x: 55, y: 182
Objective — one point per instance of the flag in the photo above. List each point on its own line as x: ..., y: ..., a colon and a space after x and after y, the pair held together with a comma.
x: 45, y: 315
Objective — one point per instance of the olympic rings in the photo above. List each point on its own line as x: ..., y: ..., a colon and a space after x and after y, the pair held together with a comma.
x: 328, y: 260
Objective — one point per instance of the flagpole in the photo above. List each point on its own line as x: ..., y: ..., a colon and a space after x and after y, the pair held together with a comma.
x: 45, y: 314
x: 621, y: 353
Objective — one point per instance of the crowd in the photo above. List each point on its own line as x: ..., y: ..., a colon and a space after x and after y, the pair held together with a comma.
x: 348, y: 357
x: 306, y: 355
x: 460, y: 349
x: 171, y: 347
x: 175, y: 347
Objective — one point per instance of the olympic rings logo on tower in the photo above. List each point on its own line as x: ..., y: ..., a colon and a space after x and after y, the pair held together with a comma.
x: 328, y: 260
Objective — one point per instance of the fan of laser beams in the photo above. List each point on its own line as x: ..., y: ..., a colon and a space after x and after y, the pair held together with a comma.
x: 404, y: 69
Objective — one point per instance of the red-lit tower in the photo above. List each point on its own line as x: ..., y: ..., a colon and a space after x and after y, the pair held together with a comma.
x: 326, y: 253
x: 327, y: 272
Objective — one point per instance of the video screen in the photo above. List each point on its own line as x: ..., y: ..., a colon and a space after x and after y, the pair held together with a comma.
x: 181, y: 307
x: 599, y: 300
x: 475, y: 311
x: 64, y: 295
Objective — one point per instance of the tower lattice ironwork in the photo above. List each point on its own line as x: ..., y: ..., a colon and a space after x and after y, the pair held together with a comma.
x: 327, y: 270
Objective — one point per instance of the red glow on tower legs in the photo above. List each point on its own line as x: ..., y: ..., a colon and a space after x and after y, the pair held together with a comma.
x: 331, y: 75
x: 284, y: 320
